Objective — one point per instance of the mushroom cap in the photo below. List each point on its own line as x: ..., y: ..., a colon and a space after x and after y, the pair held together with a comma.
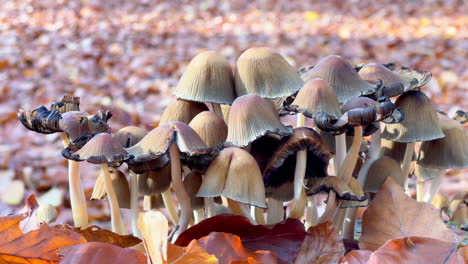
x: 378, y: 172
x: 420, y: 123
x: 208, y: 78
x: 210, y: 127
x: 281, y: 166
x: 130, y: 135
x: 102, y: 148
x: 448, y: 152
x: 252, y: 117
x: 154, y: 181
x: 75, y: 124
x: 234, y: 174
x: 351, y: 191
x: 120, y: 185
x: 181, y: 110
x: 263, y: 72
x: 192, y: 183
x: 315, y: 96
x: 426, y: 173
x: 151, y: 151
x: 41, y: 120
x: 395, y: 150
x: 340, y: 75
x: 67, y: 104
x: 422, y: 77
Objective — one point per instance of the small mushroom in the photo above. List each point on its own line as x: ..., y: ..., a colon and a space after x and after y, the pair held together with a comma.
x: 120, y: 185
x: 378, y: 172
x: 183, y: 111
x: 192, y: 183
x: 210, y: 127
x: 105, y: 150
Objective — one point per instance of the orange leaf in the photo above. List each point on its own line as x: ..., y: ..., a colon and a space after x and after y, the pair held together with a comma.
x: 192, y: 254
x: 356, y: 257
x: 323, y: 244
x: 97, y: 234
x: 228, y: 247
x: 393, y: 214
x: 98, y: 253
x: 416, y: 250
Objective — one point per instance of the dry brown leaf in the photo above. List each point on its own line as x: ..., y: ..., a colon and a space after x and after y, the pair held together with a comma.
x: 98, y: 253
x: 192, y: 254
x: 463, y: 251
x: 356, y: 257
x: 323, y: 244
x: 228, y: 247
x: 97, y: 234
x: 393, y: 214
x: 154, y: 228
x: 416, y: 250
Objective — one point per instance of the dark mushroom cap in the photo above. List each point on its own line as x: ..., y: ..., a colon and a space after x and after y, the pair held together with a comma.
x: 281, y: 166
x: 448, y: 152
x: 422, y: 77
x: 263, y: 72
x: 41, y: 120
x: 234, y: 174
x: 342, y: 76
x: 67, y: 104
x: 378, y: 172
x: 315, y: 96
x: 130, y: 135
x: 102, y: 148
x: 183, y: 111
x: 394, y: 150
x: 420, y: 123
x: 75, y: 124
x: 393, y: 84
x: 351, y: 191
x: 154, y: 181
x: 151, y: 151
x: 252, y: 117
x: 210, y: 127
x: 208, y: 78
x: 120, y: 185
x: 98, y: 123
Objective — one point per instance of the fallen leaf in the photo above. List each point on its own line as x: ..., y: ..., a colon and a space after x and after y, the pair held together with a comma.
x: 356, y: 257
x: 393, y: 214
x: 228, y: 247
x: 323, y: 244
x: 416, y: 250
x: 96, y: 234
x: 192, y: 254
x: 463, y: 251
x: 284, y: 239
x: 98, y: 253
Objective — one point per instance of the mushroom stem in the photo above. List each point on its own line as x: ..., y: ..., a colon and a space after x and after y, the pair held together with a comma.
x: 209, y: 207
x: 217, y: 110
x: 340, y: 151
x: 259, y: 215
x: 77, y: 197
x: 181, y: 194
x: 406, y: 164
x: 116, y: 219
x: 330, y: 209
x: 346, y: 170
x: 198, y: 215
x: 134, y: 204
x: 275, y: 213
x: 298, y: 206
x: 419, y: 188
x: 434, y: 187
x: 147, y: 203
x: 299, y: 174
x: 239, y: 209
x: 311, y: 212
x: 169, y: 204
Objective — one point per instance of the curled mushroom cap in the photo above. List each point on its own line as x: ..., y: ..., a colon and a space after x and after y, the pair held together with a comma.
x: 393, y: 84
x: 281, y: 166
x: 41, y: 120
x: 102, y: 148
x: 314, y: 97
x: 67, y: 104
x: 154, y: 181
x: 234, y: 174
x: 210, y: 127
x: 263, y: 72
x: 130, y: 135
x: 378, y: 172
x: 183, y: 111
x: 450, y: 151
x: 252, y: 117
x: 150, y: 152
x: 75, y: 124
x: 208, y: 78
x: 420, y: 123
x: 350, y: 191
x: 342, y: 76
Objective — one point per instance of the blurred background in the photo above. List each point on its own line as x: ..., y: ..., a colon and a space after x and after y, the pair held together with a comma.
x: 127, y: 56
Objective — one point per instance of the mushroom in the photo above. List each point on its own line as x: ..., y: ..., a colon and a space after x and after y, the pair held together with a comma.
x: 207, y: 79
x: 444, y: 153
x: 151, y: 202
x: 263, y: 72
x: 378, y: 172
x: 340, y: 75
x: 192, y: 183
x: 420, y: 124
x: 105, y: 150
x: 184, y: 146
x: 235, y: 174
x: 120, y: 185
x: 183, y: 111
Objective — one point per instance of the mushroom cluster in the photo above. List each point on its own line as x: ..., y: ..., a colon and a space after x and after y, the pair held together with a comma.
x: 222, y: 144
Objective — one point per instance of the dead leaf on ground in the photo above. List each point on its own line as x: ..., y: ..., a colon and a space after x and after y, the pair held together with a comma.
x: 416, y: 250
x: 192, y: 254
x: 97, y: 234
x: 356, y: 257
x: 323, y: 244
x: 284, y: 239
x: 98, y: 253
x: 228, y: 247
x: 393, y: 214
